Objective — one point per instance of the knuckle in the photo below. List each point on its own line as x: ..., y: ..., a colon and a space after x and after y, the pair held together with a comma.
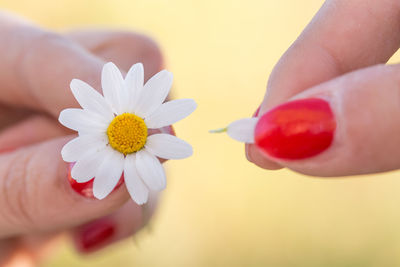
x: 38, y: 48
x: 32, y: 51
x: 48, y: 37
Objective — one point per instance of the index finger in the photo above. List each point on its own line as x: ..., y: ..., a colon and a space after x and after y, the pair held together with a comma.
x: 343, y: 36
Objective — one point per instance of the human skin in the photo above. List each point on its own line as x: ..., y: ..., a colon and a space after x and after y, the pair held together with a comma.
x: 340, y: 57
x: 37, y: 202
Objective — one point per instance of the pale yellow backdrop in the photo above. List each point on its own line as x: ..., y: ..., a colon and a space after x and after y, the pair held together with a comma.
x: 218, y: 209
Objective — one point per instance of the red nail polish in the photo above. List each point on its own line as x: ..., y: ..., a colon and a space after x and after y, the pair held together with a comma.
x: 95, y: 235
x: 86, y: 189
x: 296, y: 130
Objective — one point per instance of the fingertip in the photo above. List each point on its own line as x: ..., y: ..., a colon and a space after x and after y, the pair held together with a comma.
x: 255, y: 156
x: 95, y: 235
x: 123, y: 223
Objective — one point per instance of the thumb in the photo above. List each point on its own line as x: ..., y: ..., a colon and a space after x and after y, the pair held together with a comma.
x: 349, y: 125
x: 36, y: 194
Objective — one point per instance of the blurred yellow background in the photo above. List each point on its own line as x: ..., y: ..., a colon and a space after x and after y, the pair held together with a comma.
x: 218, y: 209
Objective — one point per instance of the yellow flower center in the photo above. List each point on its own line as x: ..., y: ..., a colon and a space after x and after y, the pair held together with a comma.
x: 127, y: 133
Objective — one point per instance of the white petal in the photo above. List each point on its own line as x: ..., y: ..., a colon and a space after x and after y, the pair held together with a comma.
x: 108, y: 174
x: 154, y: 93
x: 134, y: 84
x: 86, y: 167
x: 90, y: 99
x: 136, y: 187
x: 113, y: 86
x: 170, y: 112
x: 150, y: 170
x: 82, y: 120
x: 243, y: 130
x: 167, y: 146
x: 77, y: 147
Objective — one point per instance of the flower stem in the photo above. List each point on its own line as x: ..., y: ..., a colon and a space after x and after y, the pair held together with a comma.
x: 219, y: 130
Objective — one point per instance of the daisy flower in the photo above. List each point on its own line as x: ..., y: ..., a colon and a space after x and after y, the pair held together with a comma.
x: 113, y: 131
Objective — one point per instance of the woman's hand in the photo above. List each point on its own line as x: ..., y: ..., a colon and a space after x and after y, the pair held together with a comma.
x: 37, y: 201
x: 338, y: 58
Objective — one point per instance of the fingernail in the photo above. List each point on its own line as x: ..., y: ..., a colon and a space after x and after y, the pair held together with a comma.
x: 296, y: 130
x: 95, y: 235
x: 86, y: 189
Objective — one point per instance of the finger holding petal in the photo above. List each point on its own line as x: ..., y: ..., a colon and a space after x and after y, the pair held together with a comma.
x: 135, y: 185
x: 113, y: 86
x: 154, y: 93
x: 134, y: 84
x: 90, y: 99
x: 243, y: 130
x: 167, y: 146
x: 150, y: 170
x: 170, y: 112
x: 108, y: 174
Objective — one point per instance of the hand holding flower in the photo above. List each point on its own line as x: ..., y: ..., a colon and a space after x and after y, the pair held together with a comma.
x: 38, y: 202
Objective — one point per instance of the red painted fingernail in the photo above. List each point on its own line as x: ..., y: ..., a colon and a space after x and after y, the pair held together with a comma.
x: 296, y: 130
x: 86, y: 189
x: 95, y: 235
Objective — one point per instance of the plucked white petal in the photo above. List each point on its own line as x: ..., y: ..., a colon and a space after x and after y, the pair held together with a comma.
x: 134, y: 84
x: 167, y: 146
x: 108, y: 174
x: 79, y: 146
x: 150, y: 170
x: 243, y: 130
x: 154, y: 93
x: 136, y: 187
x: 113, y: 86
x: 83, y: 120
x: 90, y: 99
x: 86, y: 167
x: 170, y: 112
